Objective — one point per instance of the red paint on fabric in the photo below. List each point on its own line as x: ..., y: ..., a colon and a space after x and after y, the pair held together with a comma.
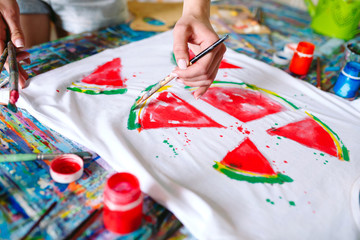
x: 107, y: 74
x: 309, y: 133
x: 247, y: 157
x: 223, y: 63
x: 171, y: 111
x: 250, y: 105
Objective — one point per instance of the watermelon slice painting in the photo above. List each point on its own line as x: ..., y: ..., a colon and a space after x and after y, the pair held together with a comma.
x: 310, y: 133
x: 106, y: 79
x: 246, y: 163
x: 250, y: 105
x: 170, y: 111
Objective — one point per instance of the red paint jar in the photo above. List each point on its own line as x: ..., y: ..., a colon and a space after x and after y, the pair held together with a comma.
x: 303, y: 56
x: 123, y: 203
x: 66, y: 168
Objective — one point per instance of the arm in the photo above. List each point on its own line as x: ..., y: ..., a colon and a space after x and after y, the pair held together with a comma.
x: 194, y: 28
x: 10, y: 22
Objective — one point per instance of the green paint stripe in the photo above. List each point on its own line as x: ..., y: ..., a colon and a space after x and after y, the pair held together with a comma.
x: 345, y: 152
x: 94, y: 92
x: 233, y: 174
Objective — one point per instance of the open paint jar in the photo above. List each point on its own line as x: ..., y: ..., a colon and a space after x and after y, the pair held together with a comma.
x: 66, y: 168
x: 302, y: 58
x: 123, y: 203
x: 348, y: 82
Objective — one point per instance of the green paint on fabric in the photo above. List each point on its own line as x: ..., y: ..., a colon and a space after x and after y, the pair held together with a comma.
x: 292, y: 203
x: 321, y: 154
x: 233, y: 174
x: 345, y: 152
x: 95, y: 92
x: 170, y: 146
x: 269, y: 201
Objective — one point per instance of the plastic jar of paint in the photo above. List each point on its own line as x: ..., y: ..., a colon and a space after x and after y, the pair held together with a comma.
x: 302, y: 58
x: 66, y: 168
x: 348, y: 82
x: 123, y: 203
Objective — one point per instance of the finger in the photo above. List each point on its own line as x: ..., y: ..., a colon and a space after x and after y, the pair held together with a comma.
x: 203, y: 69
x: 22, y: 55
x: 23, y: 77
x: 200, y: 92
x: 2, y: 34
x: 12, y: 18
x: 180, y: 47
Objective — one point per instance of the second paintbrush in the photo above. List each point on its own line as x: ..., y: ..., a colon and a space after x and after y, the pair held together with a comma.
x: 14, y: 77
x: 167, y: 79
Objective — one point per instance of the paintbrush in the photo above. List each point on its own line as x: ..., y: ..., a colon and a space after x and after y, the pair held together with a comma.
x: 14, y: 77
x: 3, y: 58
x: 260, y: 18
x: 52, y: 206
x: 79, y: 230
x: 20, y: 157
x: 318, y: 73
x: 170, y: 77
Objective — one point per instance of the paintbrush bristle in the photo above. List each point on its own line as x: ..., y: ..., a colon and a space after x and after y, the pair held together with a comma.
x: 12, y: 107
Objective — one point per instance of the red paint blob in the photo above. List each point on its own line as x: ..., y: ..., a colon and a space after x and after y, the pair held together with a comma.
x: 250, y: 105
x: 309, y: 133
x: 14, y: 96
x: 65, y: 166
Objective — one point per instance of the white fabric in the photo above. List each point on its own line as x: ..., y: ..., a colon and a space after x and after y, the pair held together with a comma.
x: 175, y: 164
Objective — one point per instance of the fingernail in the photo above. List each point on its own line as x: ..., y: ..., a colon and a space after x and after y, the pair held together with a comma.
x: 197, y: 97
x: 182, y: 64
x: 19, y: 43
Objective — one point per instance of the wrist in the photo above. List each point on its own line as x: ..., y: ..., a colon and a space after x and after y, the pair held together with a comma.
x: 197, y: 8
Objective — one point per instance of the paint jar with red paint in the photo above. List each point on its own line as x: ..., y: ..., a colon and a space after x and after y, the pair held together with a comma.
x: 303, y: 56
x: 123, y: 203
x: 66, y: 168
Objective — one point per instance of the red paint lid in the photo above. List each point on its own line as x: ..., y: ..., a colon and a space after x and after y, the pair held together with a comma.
x: 66, y: 168
x: 122, y: 188
x: 306, y: 47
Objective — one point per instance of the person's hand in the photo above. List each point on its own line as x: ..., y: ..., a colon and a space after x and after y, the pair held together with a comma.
x: 196, y: 30
x: 10, y: 29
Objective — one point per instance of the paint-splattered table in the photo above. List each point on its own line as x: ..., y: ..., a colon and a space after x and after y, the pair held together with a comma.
x: 26, y: 189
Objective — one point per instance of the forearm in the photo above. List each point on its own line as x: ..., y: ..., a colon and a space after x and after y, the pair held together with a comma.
x: 197, y: 8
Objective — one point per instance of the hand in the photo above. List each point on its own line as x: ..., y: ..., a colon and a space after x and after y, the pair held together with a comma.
x: 10, y: 23
x: 197, y: 31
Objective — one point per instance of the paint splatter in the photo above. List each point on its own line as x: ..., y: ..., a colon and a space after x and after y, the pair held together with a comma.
x: 171, y: 146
